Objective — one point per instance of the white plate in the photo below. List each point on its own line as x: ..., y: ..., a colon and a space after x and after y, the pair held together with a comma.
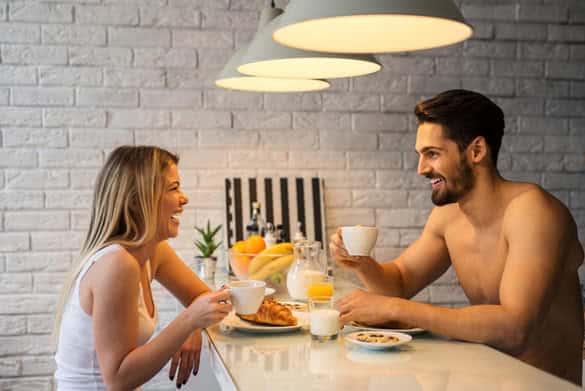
x: 269, y: 291
x: 412, y: 331
x: 402, y: 339
x: 235, y: 322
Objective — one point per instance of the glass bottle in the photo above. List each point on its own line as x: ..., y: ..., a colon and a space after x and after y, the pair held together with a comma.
x: 256, y: 224
x: 298, y: 237
x: 269, y: 236
x: 279, y: 233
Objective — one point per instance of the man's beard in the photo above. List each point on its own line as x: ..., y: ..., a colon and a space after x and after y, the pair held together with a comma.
x: 462, y: 184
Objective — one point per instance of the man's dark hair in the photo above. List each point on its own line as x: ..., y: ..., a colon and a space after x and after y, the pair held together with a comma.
x: 465, y: 115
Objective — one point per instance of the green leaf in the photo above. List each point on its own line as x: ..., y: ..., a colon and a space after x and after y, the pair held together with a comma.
x: 202, y: 249
x: 213, y: 248
x: 207, y: 244
x: 216, y: 230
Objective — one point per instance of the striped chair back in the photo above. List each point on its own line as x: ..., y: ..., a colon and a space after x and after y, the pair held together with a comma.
x: 284, y: 201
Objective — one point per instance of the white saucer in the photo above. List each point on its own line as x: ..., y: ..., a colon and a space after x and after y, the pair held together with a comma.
x: 401, y: 339
x: 235, y: 322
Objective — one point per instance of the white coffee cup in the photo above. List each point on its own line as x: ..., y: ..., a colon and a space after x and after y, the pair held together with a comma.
x: 247, y: 295
x: 359, y: 240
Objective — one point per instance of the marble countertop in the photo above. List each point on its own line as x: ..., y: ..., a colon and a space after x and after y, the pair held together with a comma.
x: 293, y: 361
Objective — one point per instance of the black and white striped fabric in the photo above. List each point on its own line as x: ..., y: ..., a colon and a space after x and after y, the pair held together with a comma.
x: 284, y: 201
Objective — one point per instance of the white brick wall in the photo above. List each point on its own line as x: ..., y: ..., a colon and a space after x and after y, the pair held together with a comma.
x: 80, y: 77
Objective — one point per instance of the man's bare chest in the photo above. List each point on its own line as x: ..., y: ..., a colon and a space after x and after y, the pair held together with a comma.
x: 479, y: 263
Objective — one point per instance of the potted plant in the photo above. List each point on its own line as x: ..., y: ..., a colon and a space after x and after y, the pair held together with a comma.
x: 207, y: 246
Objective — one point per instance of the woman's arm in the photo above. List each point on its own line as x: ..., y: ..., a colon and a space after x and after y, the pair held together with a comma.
x: 180, y: 280
x: 115, y: 290
x: 175, y: 276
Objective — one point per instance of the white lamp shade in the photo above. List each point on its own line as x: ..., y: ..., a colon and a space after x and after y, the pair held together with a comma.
x: 265, y: 57
x: 231, y: 79
x: 371, y: 26
x: 267, y: 84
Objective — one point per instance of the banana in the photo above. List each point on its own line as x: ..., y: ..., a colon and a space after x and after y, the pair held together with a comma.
x: 275, y: 266
x: 268, y: 255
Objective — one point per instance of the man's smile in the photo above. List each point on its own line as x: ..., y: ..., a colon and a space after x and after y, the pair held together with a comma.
x: 437, y: 182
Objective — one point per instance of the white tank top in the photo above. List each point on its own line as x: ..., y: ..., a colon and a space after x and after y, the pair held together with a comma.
x: 77, y: 364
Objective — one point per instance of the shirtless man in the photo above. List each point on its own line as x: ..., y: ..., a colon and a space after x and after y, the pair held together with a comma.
x: 514, y: 247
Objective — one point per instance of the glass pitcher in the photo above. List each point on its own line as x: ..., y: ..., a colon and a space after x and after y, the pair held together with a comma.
x: 306, y: 269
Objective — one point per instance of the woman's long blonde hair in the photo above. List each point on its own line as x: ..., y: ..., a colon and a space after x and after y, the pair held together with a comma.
x: 125, y: 207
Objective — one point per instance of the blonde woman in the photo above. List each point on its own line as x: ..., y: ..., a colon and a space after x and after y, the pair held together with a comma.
x: 107, y: 315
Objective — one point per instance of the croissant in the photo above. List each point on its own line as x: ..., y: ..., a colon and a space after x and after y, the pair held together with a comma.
x: 272, y: 313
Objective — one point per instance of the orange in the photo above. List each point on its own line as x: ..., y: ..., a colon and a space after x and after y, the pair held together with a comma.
x: 240, y: 265
x: 255, y: 244
x: 239, y: 262
x: 239, y: 247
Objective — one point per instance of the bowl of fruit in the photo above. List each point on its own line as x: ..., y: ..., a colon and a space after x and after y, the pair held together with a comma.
x: 251, y: 259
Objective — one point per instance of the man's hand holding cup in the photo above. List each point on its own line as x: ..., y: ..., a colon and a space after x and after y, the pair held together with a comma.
x: 351, y: 246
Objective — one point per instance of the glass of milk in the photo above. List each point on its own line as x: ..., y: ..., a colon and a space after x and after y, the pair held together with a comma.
x: 323, y: 318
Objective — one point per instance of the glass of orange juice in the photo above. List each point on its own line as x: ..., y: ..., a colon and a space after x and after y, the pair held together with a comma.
x: 321, y: 288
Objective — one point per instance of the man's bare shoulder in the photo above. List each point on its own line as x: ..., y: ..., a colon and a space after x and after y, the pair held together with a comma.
x: 532, y: 204
x: 533, y: 197
x: 442, y: 216
x: 545, y: 219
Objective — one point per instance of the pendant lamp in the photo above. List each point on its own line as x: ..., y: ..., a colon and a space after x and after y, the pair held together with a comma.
x: 230, y: 78
x: 371, y: 26
x: 265, y: 57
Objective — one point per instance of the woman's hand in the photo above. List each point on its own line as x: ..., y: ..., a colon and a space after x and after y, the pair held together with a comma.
x: 209, y: 308
x: 365, y: 307
x: 186, y: 360
x: 339, y: 253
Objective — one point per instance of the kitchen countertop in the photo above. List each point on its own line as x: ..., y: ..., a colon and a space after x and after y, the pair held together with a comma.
x: 295, y: 362
x: 257, y: 362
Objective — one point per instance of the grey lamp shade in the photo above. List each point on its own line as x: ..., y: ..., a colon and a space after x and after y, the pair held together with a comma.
x: 230, y: 78
x: 265, y: 57
x: 371, y: 26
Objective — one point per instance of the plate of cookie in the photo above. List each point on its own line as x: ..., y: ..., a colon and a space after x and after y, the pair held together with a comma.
x: 378, y: 340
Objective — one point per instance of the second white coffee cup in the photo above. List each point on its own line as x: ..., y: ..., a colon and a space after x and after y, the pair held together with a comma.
x: 246, y: 295
x: 359, y: 240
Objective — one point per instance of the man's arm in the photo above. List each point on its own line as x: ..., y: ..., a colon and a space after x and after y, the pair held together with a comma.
x: 537, y: 229
x: 419, y: 265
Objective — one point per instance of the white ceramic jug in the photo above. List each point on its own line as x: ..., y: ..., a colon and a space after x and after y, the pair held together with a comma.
x: 306, y: 269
